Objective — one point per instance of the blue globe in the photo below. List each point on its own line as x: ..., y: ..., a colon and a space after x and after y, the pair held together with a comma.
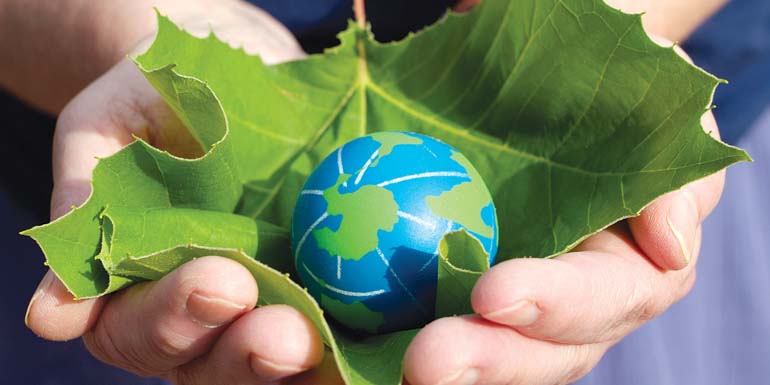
x: 368, y: 222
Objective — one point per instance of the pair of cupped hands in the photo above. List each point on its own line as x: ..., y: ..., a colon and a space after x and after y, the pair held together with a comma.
x: 537, y: 321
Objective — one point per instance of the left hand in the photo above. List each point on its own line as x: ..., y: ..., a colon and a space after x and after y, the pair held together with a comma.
x: 196, y: 325
x: 550, y: 321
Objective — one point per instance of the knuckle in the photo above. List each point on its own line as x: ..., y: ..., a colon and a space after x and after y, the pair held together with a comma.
x: 143, y: 350
x: 100, y: 347
x: 183, y: 376
x: 643, y: 309
x: 103, y: 344
x: 583, y: 358
x: 644, y: 304
x: 164, y: 345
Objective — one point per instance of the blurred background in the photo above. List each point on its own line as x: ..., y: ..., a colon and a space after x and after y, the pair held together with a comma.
x: 719, y: 334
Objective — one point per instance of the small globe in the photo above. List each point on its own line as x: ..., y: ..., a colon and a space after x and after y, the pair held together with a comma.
x: 368, y: 222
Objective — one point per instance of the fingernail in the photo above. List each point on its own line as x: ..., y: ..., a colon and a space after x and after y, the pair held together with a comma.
x: 522, y: 313
x: 269, y: 371
x: 211, y: 312
x: 463, y: 377
x: 42, y: 288
x: 683, y: 219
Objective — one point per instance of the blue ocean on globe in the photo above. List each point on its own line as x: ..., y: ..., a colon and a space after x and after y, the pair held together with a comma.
x: 368, y: 222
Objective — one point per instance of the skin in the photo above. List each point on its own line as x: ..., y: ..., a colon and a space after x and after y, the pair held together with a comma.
x: 198, y: 326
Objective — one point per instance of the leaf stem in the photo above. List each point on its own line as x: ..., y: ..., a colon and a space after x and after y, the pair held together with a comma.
x: 360, y: 11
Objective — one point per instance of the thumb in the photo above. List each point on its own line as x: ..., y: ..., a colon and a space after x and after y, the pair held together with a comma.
x: 98, y: 122
x: 668, y: 229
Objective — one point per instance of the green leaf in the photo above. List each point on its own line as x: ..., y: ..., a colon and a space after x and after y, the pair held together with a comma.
x: 141, y: 176
x: 375, y: 360
x: 462, y: 261
x: 139, y: 242
x: 572, y: 115
x: 574, y: 118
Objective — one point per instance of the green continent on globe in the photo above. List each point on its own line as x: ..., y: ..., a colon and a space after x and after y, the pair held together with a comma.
x: 465, y: 201
x: 364, y: 212
x: 390, y: 139
x: 356, y: 314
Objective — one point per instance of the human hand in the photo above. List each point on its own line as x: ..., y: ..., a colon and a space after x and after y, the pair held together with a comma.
x: 549, y: 321
x: 196, y: 325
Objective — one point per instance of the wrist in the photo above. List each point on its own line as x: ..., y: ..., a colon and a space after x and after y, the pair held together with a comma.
x: 59, y: 47
x: 69, y: 44
x: 109, y: 29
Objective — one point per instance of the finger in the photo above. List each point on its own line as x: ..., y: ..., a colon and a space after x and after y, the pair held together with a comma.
x: 266, y: 345
x: 85, y: 130
x: 325, y: 373
x: 666, y: 229
x: 470, y: 350
x: 97, y: 123
x: 151, y: 328
x: 54, y: 315
x: 600, y: 292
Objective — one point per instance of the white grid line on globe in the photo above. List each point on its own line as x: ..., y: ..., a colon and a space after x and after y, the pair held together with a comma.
x: 398, y: 279
x: 430, y: 151
x: 341, y: 291
x: 366, y: 166
x: 435, y: 253
x: 416, y: 219
x: 339, y: 267
x: 433, y: 174
x: 307, y: 232
x: 402, y: 214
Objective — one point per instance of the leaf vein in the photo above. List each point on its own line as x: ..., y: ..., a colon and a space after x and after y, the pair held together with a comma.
x: 594, y: 93
x: 507, y: 83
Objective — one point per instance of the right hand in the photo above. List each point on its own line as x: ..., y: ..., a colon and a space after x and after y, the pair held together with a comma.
x: 198, y: 324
